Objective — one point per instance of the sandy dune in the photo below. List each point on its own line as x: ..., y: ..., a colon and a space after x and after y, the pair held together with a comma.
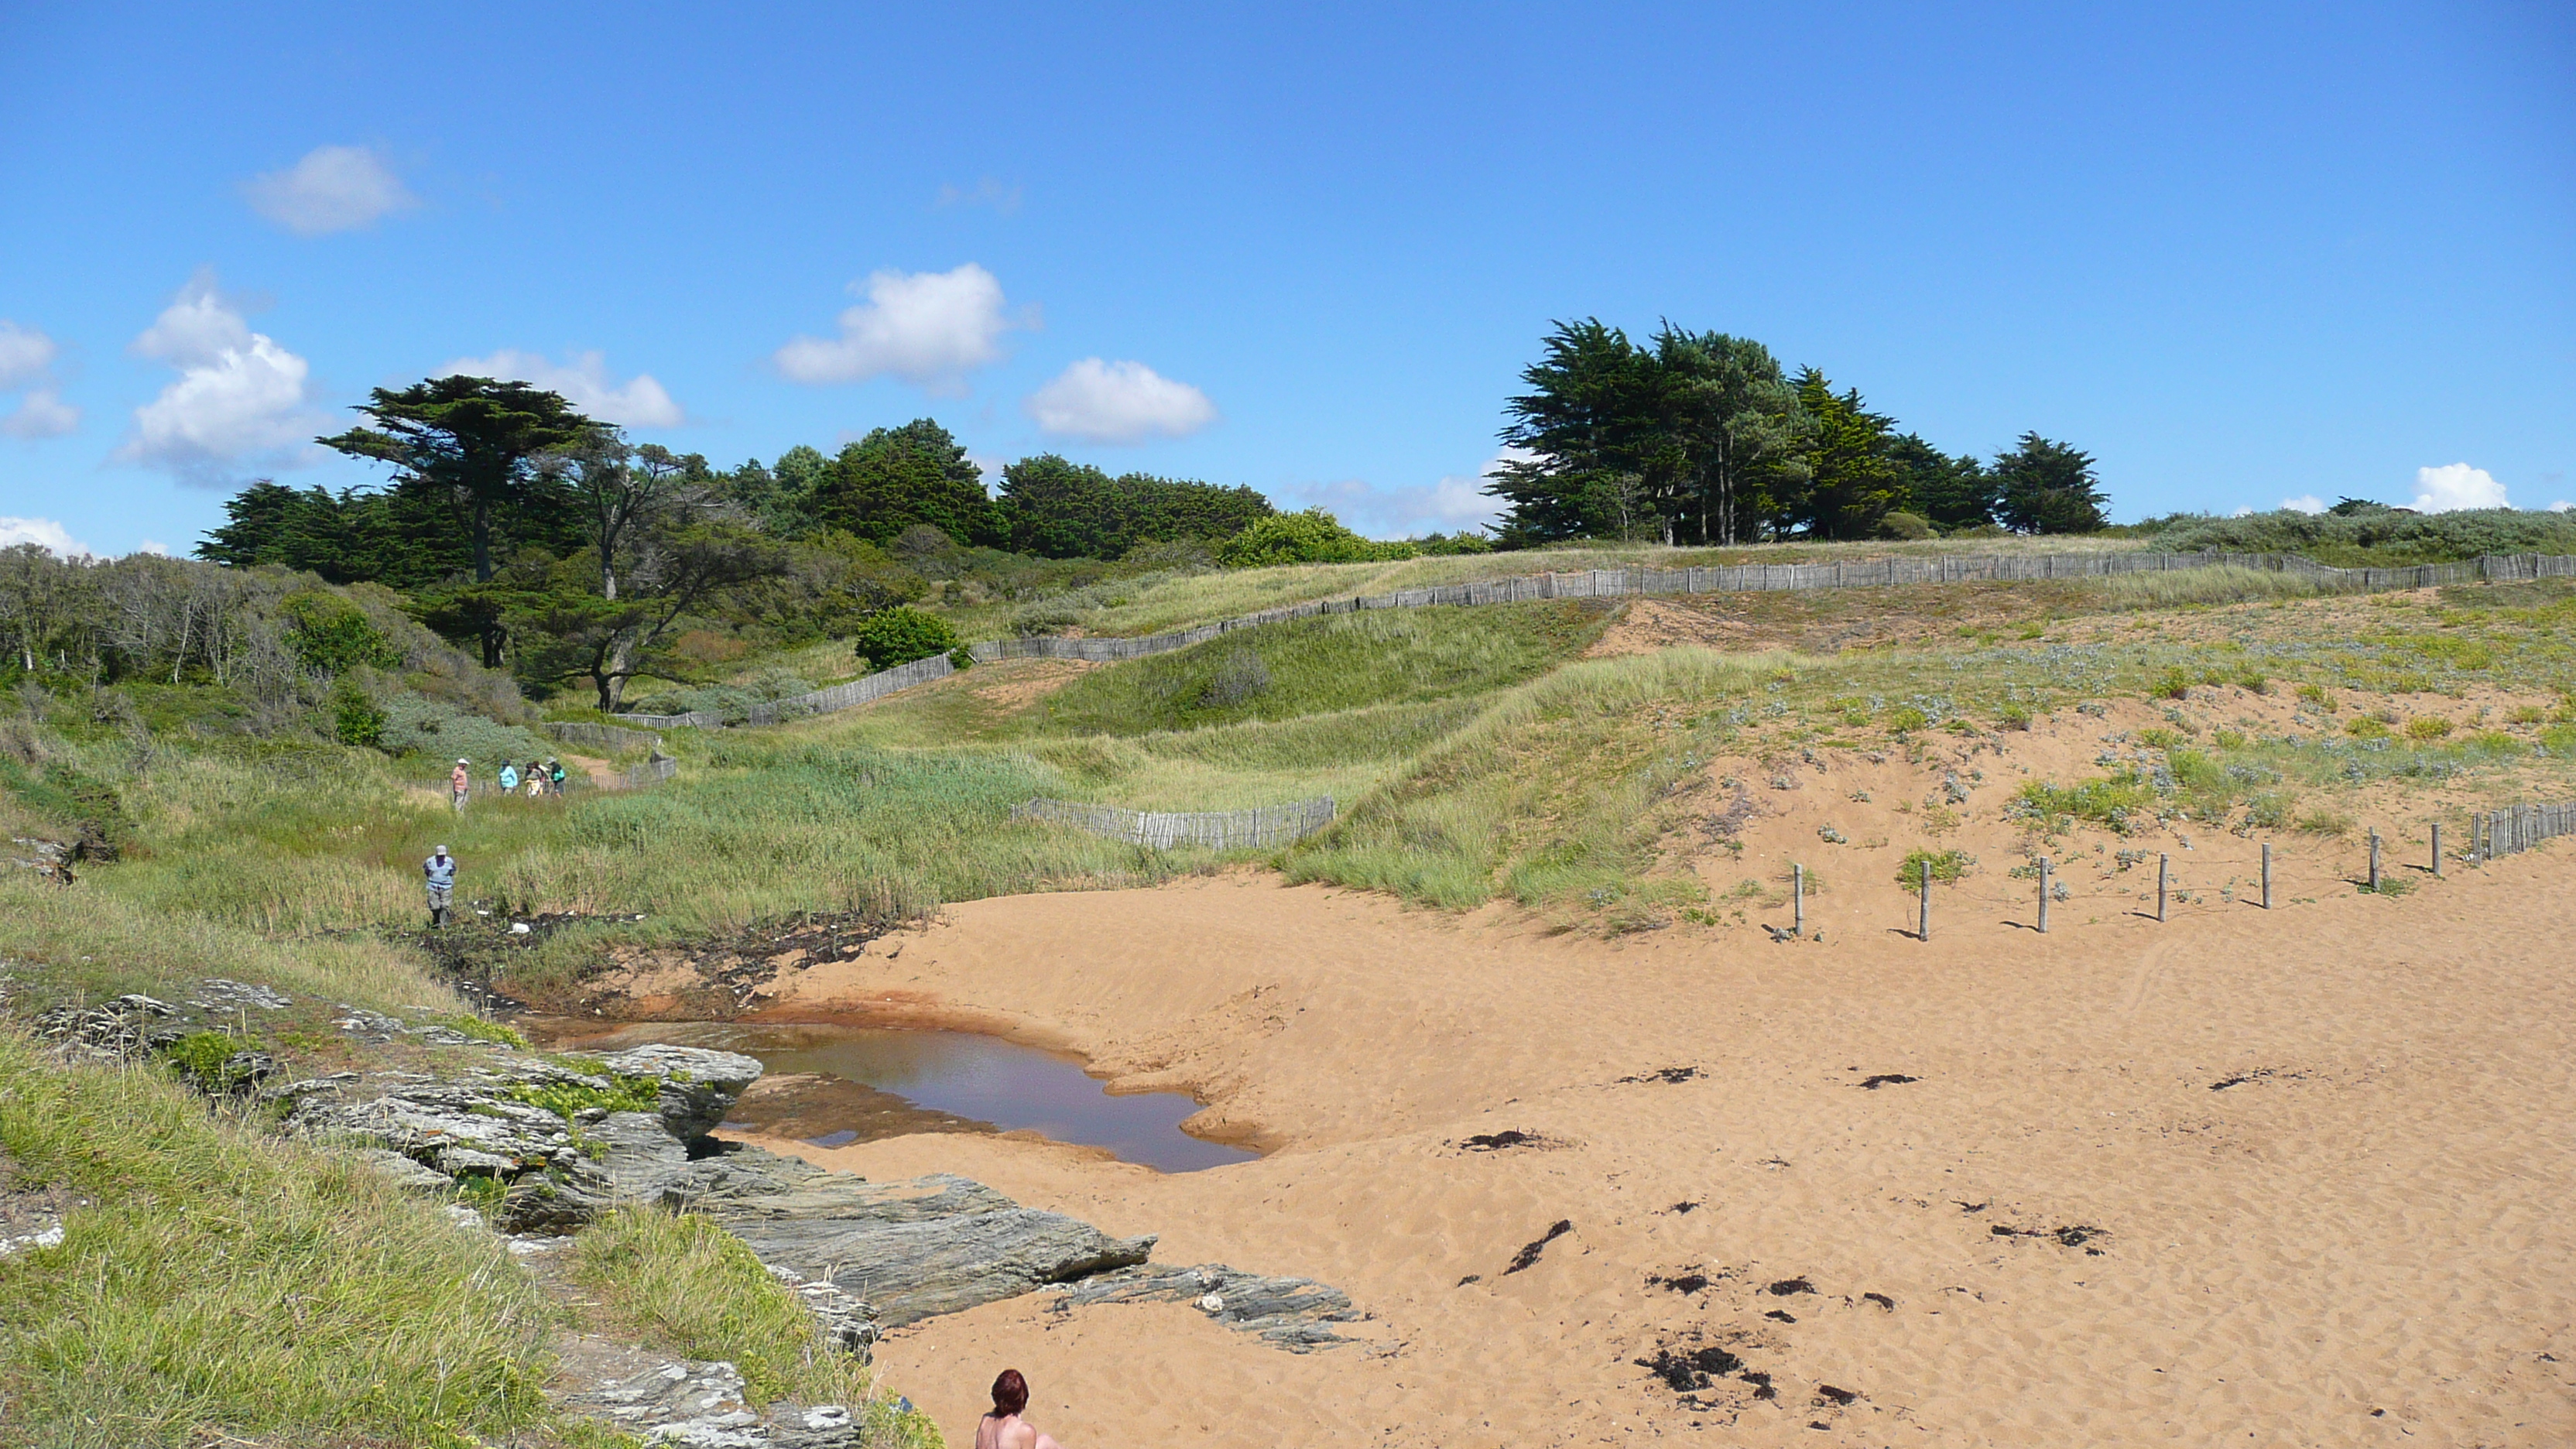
x: 2360, y: 1241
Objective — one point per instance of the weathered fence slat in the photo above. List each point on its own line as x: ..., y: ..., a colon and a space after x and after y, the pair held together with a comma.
x: 1259, y: 828
x: 2519, y: 827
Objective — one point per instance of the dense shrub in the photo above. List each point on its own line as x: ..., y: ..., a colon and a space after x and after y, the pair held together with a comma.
x: 899, y: 636
x: 330, y: 635
x: 2375, y: 536
x: 1314, y: 536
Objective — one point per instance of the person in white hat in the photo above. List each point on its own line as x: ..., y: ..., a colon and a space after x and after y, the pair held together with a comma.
x: 440, y: 871
x: 459, y: 785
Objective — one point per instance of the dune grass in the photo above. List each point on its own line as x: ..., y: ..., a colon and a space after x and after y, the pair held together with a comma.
x: 1179, y: 601
x: 93, y: 942
x: 222, y: 1280
x: 682, y: 1283
x: 1549, y: 794
x: 1318, y: 666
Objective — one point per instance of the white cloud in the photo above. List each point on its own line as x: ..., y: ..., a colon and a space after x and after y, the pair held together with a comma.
x: 582, y: 380
x: 2456, y: 486
x: 42, y: 532
x: 1405, y: 510
x: 27, y: 361
x: 1118, y: 402
x: 2245, y: 510
x: 2305, y: 503
x: 42, y: 413
x: 26, y: 355
x: 987, y: 192
x: 240, y: 398
x: 2562, y: 506
x: 154, y: 547
x: 334, y: 188
x: 928, y: 328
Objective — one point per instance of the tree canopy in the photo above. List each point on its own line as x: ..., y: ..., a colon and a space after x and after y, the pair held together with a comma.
x: 897, y: 478
x: 1699, y: 438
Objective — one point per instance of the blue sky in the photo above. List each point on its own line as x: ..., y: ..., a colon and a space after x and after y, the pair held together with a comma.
x: 2240, y: 253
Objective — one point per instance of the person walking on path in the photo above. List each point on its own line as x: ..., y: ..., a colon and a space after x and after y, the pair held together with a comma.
x: 555, y: 776
x: 509, y: 777
x: 536, y: 780
x: 1004, y: 1428
x: 440, y: 871
x: 459, y: 785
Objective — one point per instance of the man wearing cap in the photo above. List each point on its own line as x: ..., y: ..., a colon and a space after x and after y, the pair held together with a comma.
x: 440, y: 870
x: 459, y: 784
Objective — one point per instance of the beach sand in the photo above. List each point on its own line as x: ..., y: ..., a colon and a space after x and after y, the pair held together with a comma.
x: 2285, y: 1178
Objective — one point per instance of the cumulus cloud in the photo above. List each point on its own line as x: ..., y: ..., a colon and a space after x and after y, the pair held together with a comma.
x: 2562, y: 506
x: 42, y: 413
x: 26, y: 355
x: 582, y: 380
x: 27, y: 363
x: 239, y: 397
x: 334, y: 188
x: 2456, y: 486
x: 1118, y: 402
x: 2305, y: 503
x: 44, y: 533
x: 1403, y: 510
x: 928, y: 328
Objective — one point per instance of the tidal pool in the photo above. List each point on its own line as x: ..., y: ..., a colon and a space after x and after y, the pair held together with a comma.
x: 836, y: 1085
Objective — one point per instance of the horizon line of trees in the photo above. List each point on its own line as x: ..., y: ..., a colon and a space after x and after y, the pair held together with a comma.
x: 559, y: 549
x: 1702, y: 438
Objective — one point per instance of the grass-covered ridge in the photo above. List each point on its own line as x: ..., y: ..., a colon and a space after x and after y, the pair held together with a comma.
x: 220, y: 1278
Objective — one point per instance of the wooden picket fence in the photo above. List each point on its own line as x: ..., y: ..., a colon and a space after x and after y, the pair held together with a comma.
x: 1260, y: 828
x: 1643, y: 582
x: 2519, y: 827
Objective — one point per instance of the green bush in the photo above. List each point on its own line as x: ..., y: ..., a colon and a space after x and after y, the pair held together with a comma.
x: 1903, y: 525
x: 414, y: 725
x: 1947, y: 865
x: 355, y: 720
x: 329, y: 635
x: 900, y: 635
x: 1314, y: 536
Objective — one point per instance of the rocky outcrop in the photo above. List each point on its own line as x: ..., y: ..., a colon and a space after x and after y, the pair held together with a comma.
x: 697, y: 1405
x: 1291, y: 1313
x: 545, y: 1133
x: 697, y: 1085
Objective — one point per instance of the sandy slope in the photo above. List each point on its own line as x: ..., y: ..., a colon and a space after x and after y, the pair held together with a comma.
x: 2363, y: 1243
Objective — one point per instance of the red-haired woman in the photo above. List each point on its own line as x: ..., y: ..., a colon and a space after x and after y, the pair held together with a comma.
x: 1004, y: 1428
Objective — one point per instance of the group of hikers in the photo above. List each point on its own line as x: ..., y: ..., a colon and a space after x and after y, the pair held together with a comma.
x: 540, y: 779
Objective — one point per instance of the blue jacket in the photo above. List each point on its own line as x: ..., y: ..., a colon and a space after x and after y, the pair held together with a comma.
x: 509, y: 777
x: 441, y: 873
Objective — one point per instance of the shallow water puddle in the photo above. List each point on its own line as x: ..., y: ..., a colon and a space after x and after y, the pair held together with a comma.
x: 836, y: 1085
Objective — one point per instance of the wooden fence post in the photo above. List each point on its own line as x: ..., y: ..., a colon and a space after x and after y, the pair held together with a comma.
x: 2043, y: 895
x: 1923, y: 914
x: 2437, y: 850
x: 2374, y: 861
x: 2163, y: 876
x: 1798, y: 899
x: 2267, y: 875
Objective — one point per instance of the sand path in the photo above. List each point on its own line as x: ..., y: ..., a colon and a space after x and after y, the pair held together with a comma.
x: 2359, y: 1241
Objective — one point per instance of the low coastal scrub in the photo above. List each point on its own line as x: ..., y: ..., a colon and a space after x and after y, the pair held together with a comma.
x: 1315, y: 666
x: 2371, y: 536
x: 219, y: 1284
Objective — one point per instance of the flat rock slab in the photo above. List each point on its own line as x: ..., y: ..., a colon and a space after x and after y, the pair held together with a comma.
x: 911, y: 1270
x: 701, y: 1406
x: 1290, y: 1313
